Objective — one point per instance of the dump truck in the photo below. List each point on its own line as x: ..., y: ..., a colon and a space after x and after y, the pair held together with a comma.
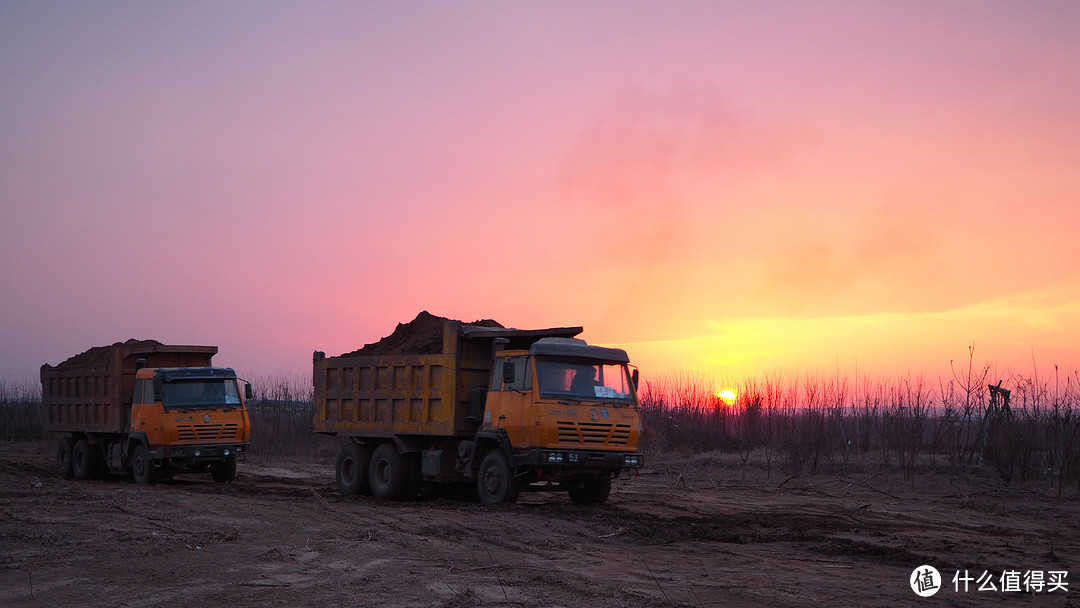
x: 145, y: 408
x: 497, y: 409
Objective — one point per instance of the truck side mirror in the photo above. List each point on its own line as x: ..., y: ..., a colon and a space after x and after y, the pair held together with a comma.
x: 248, y: 393
x: 634, y: 376
x: 157, y: 389
x: 508, y: 372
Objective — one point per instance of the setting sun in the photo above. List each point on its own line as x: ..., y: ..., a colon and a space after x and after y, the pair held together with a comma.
x: 727, y: 396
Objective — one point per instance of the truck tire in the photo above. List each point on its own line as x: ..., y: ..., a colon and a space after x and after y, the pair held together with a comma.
x: 142, y: 469
x: 224, y: 472
x: 495, y: 481
x: 83, y: 460
x: 352, y: 470
x: 593, y: 492
x: 63, y: 457
x: 388, y: 473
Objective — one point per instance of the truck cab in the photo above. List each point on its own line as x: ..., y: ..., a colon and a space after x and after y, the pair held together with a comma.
x: 569, y: 411
x: 187, y: 419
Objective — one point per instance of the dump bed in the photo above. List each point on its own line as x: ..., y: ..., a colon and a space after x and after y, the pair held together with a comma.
x: 414, y: 393
x: 91, y: 392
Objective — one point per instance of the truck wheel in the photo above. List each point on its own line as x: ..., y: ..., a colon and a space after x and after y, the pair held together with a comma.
x: 495, y: 482
x: 352, y: 470
x: 63, y: 457
x: 141, y: 467
x: 592, y: 492
x: 83, y: 460
x: 224, y: 472
x: 388, y: 473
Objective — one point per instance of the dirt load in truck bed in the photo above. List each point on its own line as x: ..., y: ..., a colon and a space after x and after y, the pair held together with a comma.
x: 421, y: 336
x: 100, y: 356
x: 698, y: 533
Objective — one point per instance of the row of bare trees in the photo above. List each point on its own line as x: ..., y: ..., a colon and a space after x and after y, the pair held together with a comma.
x: 1022, y: 429
x: 280, y: 416
x: 20, y: 411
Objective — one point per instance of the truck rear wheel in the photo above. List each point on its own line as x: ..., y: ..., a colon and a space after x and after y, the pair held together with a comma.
x: 388, y: 473
x: 63, y: 457
x: 224, y: 472
x: 142, y: 469
x: 83, y: 460
x: 352, y: 470
x: 495, y: 481
x: 592, y: 492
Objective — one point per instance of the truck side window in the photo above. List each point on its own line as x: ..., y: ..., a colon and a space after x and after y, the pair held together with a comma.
x: 522, y: 377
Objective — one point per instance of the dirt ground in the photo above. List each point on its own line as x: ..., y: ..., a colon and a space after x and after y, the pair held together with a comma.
x: 697, y: 533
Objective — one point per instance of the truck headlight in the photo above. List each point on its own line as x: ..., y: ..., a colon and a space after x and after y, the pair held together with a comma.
x: 632, y: 460
x: 226, y: 451
x: 553, y: 457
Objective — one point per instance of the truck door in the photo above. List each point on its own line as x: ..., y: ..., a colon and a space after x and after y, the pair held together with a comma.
x: 144, y: 413
x: 510, y: 400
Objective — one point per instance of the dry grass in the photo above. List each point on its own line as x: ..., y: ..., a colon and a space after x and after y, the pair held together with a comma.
x: 795, y: 425
x: 20, y: 411
x: 280, y: 417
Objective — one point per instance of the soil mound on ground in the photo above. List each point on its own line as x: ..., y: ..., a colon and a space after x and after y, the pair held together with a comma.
x: 102, y: 355
x: 421, y: 336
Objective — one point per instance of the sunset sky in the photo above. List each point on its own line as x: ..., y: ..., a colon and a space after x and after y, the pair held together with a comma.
x: 720, y: 188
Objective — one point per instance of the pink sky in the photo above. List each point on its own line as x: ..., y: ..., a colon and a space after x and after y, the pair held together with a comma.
x: 722, y: 188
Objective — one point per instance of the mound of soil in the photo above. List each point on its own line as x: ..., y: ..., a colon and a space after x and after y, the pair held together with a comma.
x: 421, y: 336
x: 102, y: 355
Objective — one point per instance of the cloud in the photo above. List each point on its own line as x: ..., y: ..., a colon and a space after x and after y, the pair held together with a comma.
x: 641, y: 179
x: 643, y: 146
x: 876, y: 259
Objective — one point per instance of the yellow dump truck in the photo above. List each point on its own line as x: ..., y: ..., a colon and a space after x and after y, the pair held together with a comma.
x: 503, y: 410
x: 146, y: 408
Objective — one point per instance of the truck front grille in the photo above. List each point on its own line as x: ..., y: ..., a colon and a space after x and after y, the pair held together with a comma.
x: 593, y: 433
x: 206, y: 432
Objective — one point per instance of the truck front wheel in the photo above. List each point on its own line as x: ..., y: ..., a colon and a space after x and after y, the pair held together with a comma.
x: 388, y: 473
x: 352, y: 470
x: 495, y: 481
x: 142, y: 469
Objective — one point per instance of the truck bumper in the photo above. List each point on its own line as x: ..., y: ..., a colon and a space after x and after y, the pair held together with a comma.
x: 583, y: 459
x: 201, y: 453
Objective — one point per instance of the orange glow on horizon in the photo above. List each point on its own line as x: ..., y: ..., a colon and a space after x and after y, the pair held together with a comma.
x: 806, y: 211
x: 1024, y: 334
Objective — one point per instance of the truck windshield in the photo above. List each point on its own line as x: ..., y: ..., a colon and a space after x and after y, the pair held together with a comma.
x: 584, y: 380
x: 205, y: 394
